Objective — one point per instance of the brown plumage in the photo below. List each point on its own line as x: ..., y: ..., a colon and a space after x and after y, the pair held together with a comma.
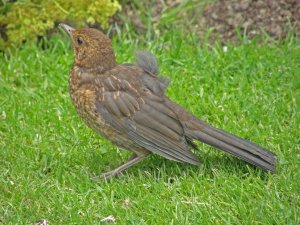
x: 126, y: 104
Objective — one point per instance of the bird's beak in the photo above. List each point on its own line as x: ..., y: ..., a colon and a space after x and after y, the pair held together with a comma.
x: 67, y: 28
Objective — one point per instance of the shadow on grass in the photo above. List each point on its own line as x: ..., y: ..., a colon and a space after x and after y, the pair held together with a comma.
x: 160, y: 168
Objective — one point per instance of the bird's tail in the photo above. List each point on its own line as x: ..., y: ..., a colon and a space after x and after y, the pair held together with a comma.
x: 232, y: 144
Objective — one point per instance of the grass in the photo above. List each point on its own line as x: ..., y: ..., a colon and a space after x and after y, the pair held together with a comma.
x: 48, y: 156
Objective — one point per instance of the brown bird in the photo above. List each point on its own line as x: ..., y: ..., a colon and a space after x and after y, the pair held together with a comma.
x: 126, y: 104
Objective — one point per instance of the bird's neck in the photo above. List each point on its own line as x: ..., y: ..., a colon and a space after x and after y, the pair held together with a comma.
x: 95, y: 61
x: 91, y: 71
x: 80, y: 75
x: 97, y: 67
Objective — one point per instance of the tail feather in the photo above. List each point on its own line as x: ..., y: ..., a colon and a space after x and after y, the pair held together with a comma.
x: 232, y: 144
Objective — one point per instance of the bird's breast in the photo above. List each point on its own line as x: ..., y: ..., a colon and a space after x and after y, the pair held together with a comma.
x: 84, y: 97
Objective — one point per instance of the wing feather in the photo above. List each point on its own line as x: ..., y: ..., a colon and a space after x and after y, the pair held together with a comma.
x: 146, y: 119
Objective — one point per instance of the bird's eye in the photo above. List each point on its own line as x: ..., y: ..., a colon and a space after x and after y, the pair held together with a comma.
x: 80, y: 40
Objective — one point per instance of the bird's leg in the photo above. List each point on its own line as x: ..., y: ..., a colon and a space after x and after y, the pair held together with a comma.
x: 131, y: 161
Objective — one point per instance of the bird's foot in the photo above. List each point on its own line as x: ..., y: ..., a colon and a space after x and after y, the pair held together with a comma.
x: 118, y: 171
x: 107, y: 175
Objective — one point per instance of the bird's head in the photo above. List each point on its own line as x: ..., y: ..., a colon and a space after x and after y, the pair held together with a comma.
x: 92, y: 49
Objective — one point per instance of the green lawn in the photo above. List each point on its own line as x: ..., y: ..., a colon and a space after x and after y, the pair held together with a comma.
x: 48, y: 156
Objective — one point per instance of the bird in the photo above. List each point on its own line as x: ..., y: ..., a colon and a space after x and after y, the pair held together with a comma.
x: 126, y: 104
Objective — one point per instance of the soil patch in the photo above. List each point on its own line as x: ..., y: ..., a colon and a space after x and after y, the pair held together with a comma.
x: 276, y: 18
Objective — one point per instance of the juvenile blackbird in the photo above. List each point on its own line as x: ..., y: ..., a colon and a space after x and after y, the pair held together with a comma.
x: 126, y: 104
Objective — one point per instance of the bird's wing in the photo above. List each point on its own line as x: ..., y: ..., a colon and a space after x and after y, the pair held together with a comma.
x: 133, y: 109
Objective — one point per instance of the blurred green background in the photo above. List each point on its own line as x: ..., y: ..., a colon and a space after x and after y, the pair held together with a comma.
x: 234, y: 64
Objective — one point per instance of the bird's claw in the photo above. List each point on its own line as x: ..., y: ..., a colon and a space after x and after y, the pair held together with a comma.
x: 107, y: 175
